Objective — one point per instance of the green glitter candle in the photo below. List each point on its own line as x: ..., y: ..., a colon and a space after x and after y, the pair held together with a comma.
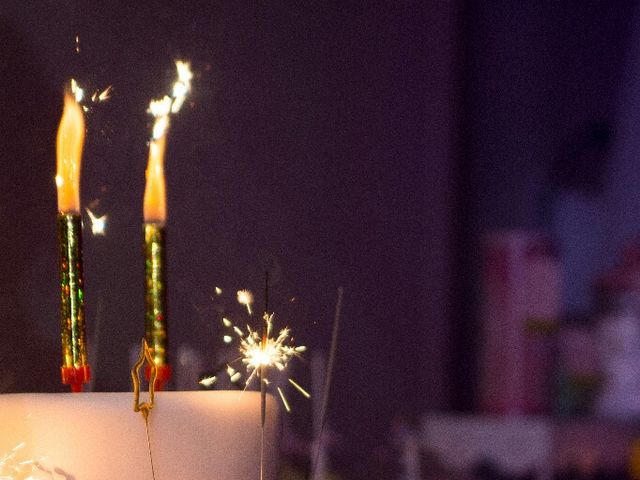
x: 69, y: 141
x: 155, y: 298
x: 155, y: 216
x: 75, y: 369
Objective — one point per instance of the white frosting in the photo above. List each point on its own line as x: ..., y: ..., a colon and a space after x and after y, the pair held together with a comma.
x: 98, y: 436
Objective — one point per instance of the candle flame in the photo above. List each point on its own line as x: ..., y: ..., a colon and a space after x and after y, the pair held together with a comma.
x: 155, y: 208
x: 162, y: 108
x: 69, y: 144
x: 155, y: 198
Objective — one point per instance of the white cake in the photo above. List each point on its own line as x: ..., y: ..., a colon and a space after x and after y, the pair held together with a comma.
x: 98, y: 436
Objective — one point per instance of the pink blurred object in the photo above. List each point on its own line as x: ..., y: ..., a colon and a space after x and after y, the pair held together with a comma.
x: 521, y: 303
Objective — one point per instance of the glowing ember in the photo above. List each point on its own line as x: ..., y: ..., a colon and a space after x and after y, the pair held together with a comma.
x: 101, y: 96
x: 207, y: 382
x: 98, y: 224
x: 245, y: 297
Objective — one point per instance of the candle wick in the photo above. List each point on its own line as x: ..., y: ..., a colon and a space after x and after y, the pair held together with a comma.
x: 146, y: 424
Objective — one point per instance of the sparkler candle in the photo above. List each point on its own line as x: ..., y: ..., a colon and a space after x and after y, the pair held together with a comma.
x: 75, y: 369
x: 155, y: 216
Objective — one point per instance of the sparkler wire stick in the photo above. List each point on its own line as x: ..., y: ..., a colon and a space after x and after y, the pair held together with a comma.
x: 265, y: 336
x: 155, y: 300
x: 263, y: 384
x: 328, y: 379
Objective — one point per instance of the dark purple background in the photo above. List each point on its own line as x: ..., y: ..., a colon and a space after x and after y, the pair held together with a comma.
x: 334, y: 144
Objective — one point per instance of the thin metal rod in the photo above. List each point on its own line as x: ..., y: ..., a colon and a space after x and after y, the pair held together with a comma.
x: 263, y: 384
x: 328, y: 380
x: 262, y: 453
x: 146, y: 424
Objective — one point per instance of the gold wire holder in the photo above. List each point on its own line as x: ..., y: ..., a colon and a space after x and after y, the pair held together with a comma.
x: 145, y: 407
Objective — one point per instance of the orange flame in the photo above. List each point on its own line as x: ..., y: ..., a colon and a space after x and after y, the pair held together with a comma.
x: 155, y: 197
x: 69, y: 144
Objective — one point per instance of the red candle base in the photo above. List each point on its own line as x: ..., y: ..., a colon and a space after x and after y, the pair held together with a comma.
x: 75, y: 376
x: 163, y: 375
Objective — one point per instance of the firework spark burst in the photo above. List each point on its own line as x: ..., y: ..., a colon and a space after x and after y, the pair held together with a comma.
x: 261, y: 353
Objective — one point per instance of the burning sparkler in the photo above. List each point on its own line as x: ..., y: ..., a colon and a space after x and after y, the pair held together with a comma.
x: 261, y: 353
x: 155, y: 215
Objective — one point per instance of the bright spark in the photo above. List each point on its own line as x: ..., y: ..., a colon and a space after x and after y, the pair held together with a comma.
x: 77, y: 43
x: 245, y: 297
x: 299, y: 388
x: 105, y: 94
x: 77, y: 91
x: 218, y: 291
x: 101, y: 96
x: 284, y: 400
x: 164, y: 107
x: 208, y: 381
x: 98, y: 224
x: 98, y: 96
